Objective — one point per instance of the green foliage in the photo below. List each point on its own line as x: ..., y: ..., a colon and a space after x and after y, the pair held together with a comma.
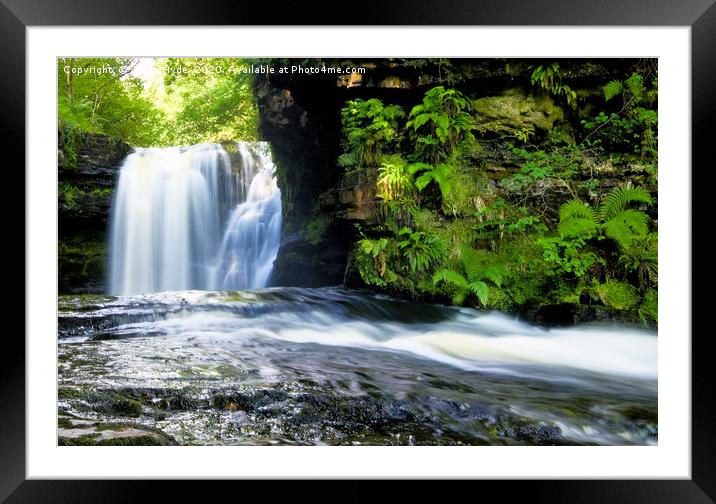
x: 372, y: 261
x: 421, y: 249
x: 612, y: 89
x: 614, y: 219
x: 568, y: 256
x: 184, y: 103
x: 500, y: 219
x: 394, y: 179
x: 649, y: 309
x: 539, y: 165
x: 69, y: 143
x: 397, y: 213
x: 617, y: 295
x: 471, y: 278
x: 207, y: 100
x: 580, y: 251
x: 68, y: 194
x: 641, y: 256
x: 370, y: 128
x: 315, y: 229
x: 101, y: 95
x: 440, y: 123
x: 633, y: 127
x: 440, y: 175
x: 630, y: 89
x: 548, y: 78
x: 450, y: 226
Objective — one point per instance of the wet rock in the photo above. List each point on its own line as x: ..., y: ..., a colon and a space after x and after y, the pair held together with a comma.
x: 302, y: 263
x: 562, y: 314
x: 84, y: 200
x: 78, y: 432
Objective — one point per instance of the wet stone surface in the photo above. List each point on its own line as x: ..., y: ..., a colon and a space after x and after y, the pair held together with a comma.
x: 324, y: 366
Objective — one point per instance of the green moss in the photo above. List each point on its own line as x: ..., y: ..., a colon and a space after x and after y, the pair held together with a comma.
x: 315, y: 229
x: 469, y: 190
x: 515, y: 114
x: 68, y: 195
x: 81, y: 261
x: 617, y: 295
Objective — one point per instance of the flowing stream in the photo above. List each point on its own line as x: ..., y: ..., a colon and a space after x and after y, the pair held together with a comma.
x: 335, y: 366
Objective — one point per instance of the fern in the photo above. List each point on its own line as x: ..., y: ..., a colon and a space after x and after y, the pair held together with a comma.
x: 394, y: 180
x: 421, y: 249
x: 614, y: 219
x: 439, y: 123
x: 450, y: 276
x: 439, y: 174
x: 612, y: 89
x: 479, y: 289
x: 625, y: 225
x: 635, y: 85
x: 577, y: 218
x: 576, y: 209
x: 472, y: 277
x: 620, y: 197
x: 494, y: 273
x: 548, y: 78
x: 641, y: 256
x: 369, y: 126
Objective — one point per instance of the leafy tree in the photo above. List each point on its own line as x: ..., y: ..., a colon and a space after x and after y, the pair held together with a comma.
x: 190, y: 100
x: 210, y: 99
x: 100, y: 95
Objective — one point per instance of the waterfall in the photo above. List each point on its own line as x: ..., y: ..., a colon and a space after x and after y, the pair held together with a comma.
x: 183, y: 218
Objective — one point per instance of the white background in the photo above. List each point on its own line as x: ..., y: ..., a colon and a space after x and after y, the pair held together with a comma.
x: 671, y: 458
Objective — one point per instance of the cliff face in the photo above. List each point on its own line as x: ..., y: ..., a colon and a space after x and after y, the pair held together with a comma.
x: 322, y: 202
x: 87, y: 174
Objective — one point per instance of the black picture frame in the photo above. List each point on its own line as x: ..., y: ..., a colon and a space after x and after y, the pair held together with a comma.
x: 700, y: 15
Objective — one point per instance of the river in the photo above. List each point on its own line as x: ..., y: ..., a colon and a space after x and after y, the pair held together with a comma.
x: 337, y: 366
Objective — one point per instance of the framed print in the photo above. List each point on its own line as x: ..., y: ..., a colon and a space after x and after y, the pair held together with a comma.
x: 396, y: 251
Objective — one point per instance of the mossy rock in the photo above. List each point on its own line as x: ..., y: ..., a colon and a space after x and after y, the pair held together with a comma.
x: 515, y: 112
x: 617, y: 295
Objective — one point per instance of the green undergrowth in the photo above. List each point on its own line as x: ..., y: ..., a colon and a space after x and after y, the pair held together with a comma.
x: 564, y: 213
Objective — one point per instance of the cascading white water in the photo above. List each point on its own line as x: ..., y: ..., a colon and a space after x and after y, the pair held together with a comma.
x: 183, y: 219
x: 253, y: 232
